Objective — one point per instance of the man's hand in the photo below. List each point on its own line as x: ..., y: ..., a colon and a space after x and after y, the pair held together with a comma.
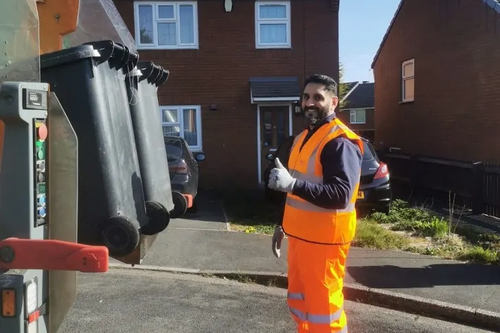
x: 277, y: 239
x: 280, y: 179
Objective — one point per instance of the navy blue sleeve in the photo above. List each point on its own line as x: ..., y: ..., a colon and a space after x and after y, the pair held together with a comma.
x: 341, y: 162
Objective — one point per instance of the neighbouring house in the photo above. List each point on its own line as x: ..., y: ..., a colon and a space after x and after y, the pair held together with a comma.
x: 437, y: 90
x: 358, y: 110
x: 237, y: 71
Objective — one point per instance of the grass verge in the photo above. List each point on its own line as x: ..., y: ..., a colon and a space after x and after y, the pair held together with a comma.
x: 431, y: 234
x: 408, y: 228
x: 251, y: 213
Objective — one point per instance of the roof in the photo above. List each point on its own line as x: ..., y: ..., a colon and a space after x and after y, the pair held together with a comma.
x: 495, y: 4
x: 274, y: 89
x: 361, y: 96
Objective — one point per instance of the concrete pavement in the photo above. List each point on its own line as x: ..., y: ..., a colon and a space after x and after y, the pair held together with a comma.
x: 138, y: 301
x: 428, y: 285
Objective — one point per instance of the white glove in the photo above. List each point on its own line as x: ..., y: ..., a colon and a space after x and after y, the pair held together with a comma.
x: 277, y: 239
x: 280, y: 179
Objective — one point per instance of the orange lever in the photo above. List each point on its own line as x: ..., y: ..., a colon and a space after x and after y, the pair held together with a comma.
x: 18, y: 253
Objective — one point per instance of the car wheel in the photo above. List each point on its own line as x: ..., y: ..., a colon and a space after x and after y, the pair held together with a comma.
x: 180, y: 205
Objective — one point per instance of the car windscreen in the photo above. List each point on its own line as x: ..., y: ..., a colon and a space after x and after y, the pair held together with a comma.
x: 174, y: 149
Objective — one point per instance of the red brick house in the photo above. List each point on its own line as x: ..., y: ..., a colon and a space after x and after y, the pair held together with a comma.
x: 358, y: 110
x: 237, y: 70
x: 437, y: 87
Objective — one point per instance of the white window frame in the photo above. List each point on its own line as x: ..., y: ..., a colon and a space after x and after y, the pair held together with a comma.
x: 405, y: 78
x: 353, y: 113
x: 154, y: 45
x: 259, y: 21
x: 199, y: 147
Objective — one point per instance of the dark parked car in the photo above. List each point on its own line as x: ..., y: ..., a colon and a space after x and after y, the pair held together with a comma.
x: 374, y: 193
x: 183, y: 169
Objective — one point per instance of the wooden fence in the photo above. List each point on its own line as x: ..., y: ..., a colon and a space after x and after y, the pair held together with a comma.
x: 476, y: 184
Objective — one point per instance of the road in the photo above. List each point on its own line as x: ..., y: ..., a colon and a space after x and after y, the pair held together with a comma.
x: 139, y: 301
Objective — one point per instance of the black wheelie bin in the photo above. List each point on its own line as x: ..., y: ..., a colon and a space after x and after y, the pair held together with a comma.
x: 142, y: 84
x: 89, y: 81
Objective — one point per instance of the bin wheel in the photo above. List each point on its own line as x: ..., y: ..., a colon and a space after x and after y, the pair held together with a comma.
x: 180, y: 205
x: 120, y: 236
x: 159, y: 218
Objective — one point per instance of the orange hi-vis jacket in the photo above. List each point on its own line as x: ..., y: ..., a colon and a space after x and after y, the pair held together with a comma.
x: 304, y: 220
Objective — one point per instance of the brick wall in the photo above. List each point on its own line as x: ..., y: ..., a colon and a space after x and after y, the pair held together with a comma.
x: 457, y: 87
x: 218, y: 74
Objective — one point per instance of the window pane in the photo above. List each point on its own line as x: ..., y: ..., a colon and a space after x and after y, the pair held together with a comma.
x: 171, y: 130
x: 409, y: 87
x: 408, y: 70
x: 166, y: 11
x: 273, y: 33
x: 190, y: 127
x: 170, y: 116
x: 368, y: 154
x: 272, y: 11
x: 281, y: 127
x: 166, y: 34
x: 267, y: 131
x: 186, y: 13
x: 146, y: 24
x: 360, y: 116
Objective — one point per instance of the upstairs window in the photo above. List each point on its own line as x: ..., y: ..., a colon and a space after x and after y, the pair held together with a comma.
x: 166, y: 25
x: 272, y: 24
x: 408, y: 80
x: 357, y: 116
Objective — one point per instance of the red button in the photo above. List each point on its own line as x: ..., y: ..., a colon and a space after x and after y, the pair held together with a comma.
x: 42, y: 132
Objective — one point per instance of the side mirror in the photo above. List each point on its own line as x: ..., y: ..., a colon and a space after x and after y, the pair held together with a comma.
x: 270, y: 157
x: 200, y: 157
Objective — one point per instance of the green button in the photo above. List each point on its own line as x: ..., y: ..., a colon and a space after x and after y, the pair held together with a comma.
x: 41, y: 155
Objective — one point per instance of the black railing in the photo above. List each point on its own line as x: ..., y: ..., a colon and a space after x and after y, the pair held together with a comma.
x: 476, y: 183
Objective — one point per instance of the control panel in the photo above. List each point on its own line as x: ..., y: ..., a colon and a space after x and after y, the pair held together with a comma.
x: 39, y: 158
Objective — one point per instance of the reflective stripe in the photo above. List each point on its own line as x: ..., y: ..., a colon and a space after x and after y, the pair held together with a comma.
x: 325, y: 319
x: 308, y: 177
x: 297, y: 313
x: 296, y: 296
x: 309, y: 207
x: 318, y: 319
x: 298, y: 138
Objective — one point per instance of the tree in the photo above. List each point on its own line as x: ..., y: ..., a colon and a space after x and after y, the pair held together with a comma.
x: 343, y: 87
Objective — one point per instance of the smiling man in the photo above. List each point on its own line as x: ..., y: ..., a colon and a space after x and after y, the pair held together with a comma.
x: 319, y: 215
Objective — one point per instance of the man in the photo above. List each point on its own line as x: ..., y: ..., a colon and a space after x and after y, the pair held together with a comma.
x: 319, y: 215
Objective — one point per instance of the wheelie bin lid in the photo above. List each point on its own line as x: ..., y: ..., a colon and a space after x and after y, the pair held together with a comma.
x: 119, y: 56
x: 154, y: 74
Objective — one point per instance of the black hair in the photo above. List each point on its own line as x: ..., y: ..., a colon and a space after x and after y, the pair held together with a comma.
x: 328, y: 82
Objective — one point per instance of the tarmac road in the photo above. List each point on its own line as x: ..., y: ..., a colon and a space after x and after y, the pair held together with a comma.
x: 136, y: 301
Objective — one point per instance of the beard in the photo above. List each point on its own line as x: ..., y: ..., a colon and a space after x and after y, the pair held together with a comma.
x: 313, y: 116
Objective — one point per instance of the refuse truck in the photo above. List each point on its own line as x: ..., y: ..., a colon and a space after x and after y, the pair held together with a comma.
x: 83, y: 167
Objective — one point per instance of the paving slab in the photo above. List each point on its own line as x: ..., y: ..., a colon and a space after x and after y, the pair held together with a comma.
x: 477, y: 286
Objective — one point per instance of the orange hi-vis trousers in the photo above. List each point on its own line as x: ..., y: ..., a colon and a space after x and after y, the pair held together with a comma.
x: 315, y: 281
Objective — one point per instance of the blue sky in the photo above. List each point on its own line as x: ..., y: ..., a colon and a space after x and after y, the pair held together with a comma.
x: 362, y: 25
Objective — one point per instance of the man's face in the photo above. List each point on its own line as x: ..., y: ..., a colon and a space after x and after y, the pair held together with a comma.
x: 317, y: 103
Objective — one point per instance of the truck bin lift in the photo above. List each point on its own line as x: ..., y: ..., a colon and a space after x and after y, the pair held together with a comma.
x: 41, y: 160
